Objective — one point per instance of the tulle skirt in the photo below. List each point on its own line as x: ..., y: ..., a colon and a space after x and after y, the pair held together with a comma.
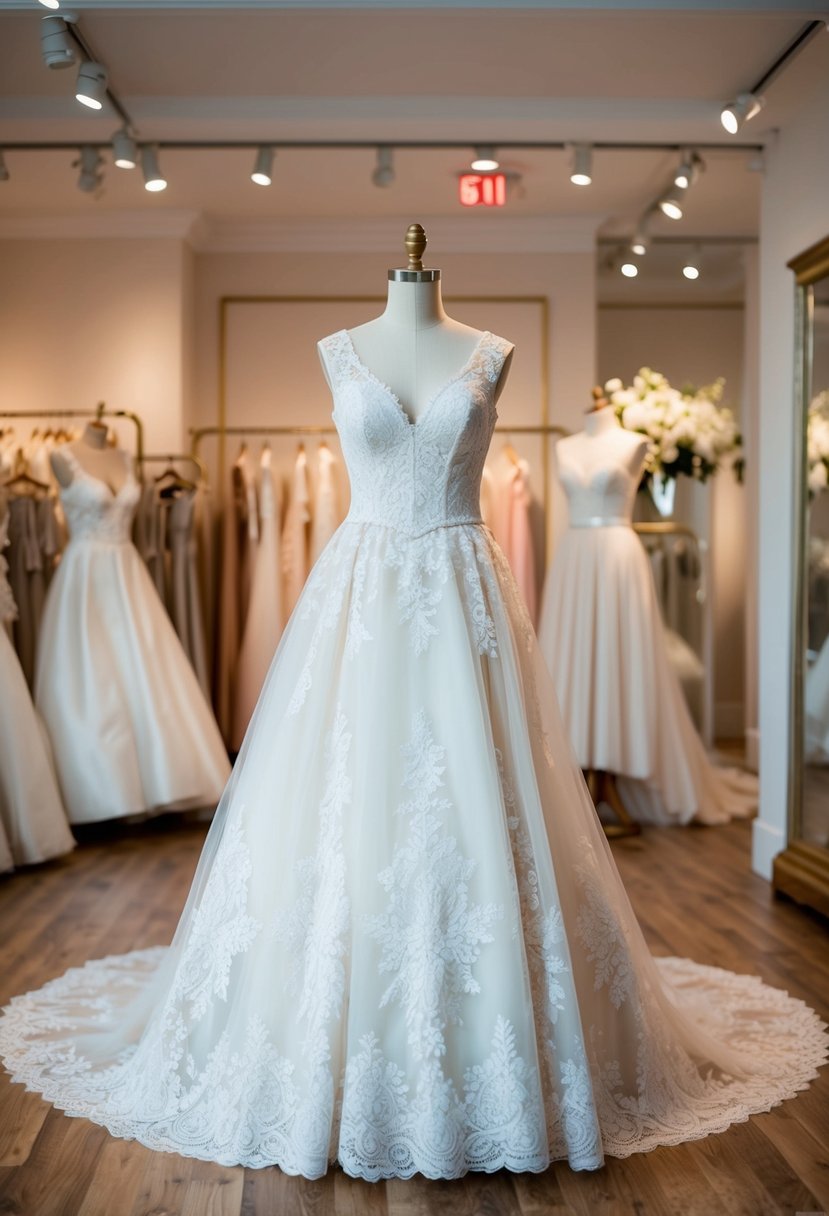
x: 604, y: 642
x: 406, y: 947
x: 130, y: 727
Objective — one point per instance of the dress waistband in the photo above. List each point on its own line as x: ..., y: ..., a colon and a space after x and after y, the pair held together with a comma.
x: 602, y: 521
x: 414, y: 533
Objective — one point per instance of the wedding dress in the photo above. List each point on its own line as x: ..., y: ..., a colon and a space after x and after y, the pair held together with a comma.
x: 130, y: 727
x: 602, y: 635
x: 406, y: 947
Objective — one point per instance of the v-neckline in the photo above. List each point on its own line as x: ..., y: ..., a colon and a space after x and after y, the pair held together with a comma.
x: 113, y: 494
x: 414, y: 423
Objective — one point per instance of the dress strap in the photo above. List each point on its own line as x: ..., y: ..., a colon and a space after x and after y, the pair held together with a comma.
x: 340, y: 356
x: 489, y: 359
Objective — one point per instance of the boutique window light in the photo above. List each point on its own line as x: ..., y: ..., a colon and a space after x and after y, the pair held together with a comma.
x: 124, y: 151
x: 740, y: 111
x: 383, y: 174
x: 56, y: 45
x: 581, y: 165
x: 485, y: 159
x: 154, y: 180
x: 91, y: 89
x: 262, y: 173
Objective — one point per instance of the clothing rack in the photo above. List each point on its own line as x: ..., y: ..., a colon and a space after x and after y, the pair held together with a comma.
x: 174, y: 458
x: 98, y: 413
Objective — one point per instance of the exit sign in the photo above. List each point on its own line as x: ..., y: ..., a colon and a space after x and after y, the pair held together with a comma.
x: 482, y: 189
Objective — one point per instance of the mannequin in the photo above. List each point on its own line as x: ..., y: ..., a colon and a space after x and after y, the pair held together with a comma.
x: 414, y: 347
x: 95, y: 456
x: 590, y: 447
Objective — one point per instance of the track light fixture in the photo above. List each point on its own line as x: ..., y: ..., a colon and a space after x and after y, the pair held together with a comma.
x: 50, y: 3
x: 91, y: 175
x: 91, y: 88
x: 691, y: 265
x: 262, y: 173
x: 629, y: 269
x: 484, y: 160
x: 740, y: 111
x: 154, y: 180
x: 639, y: 244
x: 383, y: 174
x: 581, y: 165
x: 124, y: 151
x: 4, y: 172
x: 688, y: 170
x: 56, y: 45
x: 670, y: 203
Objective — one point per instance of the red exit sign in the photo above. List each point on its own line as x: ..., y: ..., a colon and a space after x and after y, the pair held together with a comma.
x: 482, y: 189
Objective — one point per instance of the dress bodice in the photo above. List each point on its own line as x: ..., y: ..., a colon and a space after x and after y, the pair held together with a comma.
x: 415, y: 475
x: 93, y: 511
x: 600, y: 480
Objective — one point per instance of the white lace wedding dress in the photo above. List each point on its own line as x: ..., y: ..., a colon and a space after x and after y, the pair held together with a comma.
x: 406, y: 947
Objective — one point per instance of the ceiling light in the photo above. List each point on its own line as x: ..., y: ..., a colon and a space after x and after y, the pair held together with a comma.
x: 484, y: 160
x: 91, y: 89
x: 4, y: 171
x: 629, y: 269
x: 688, y: 170
x: 691, y: 266
x: 641, y: 240
x: 124, y: 151
x: 670, y: 204
x: 153, y: 177
x: 581, y: 165
x: 50, y: 3
x: 383, y: 174
x: 263, y: 167
x: 56, y: 43
x: 90, y: 176
x: 740, y: 111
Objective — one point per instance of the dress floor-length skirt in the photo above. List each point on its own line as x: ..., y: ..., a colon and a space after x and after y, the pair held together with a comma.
x: 407, y: 947
x: 130, y: 727
x: 604, y: 641
x: 32, y: 815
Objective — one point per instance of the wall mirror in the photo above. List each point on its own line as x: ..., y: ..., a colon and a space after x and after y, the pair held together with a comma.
x: 802, y: 869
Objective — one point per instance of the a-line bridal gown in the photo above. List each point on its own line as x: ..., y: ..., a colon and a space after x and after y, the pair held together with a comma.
x: 406, y: 947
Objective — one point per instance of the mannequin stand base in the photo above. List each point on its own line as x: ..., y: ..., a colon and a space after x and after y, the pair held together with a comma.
x: 602, y: 787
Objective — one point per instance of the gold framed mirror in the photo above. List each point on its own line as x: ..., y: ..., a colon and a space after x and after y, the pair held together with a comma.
x: 801, y: 871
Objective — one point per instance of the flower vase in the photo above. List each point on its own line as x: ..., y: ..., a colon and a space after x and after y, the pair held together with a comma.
x: 663, y: 493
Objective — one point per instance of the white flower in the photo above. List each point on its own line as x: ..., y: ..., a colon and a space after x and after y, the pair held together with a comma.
x: 613, y: 386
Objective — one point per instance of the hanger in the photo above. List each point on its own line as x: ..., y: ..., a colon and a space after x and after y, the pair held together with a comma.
x: 23, y: 480
x: 174, y: 480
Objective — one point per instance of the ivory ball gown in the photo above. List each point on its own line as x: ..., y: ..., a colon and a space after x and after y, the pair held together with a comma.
x: 406, y: 947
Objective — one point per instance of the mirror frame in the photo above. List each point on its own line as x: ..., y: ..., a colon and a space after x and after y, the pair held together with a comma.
x: 801, y: 870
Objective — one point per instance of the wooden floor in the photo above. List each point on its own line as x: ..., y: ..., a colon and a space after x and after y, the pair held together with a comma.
x: 695, y: 896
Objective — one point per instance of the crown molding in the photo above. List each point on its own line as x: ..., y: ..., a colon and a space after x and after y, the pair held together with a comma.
x: 102, y: 225
x: 802, y: 7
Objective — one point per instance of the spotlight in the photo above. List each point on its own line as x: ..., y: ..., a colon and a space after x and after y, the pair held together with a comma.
x: 91, y: 89
x: 90, y: 176
x: 581, y: 166
x: 688, y: 171
x: 629, y: 269
x: 669, y: 204
x: 124, y: 151
x: 263, y: 167
x: 641, y: 241
x: 154, y: 180
x: 4, y: 172
x: 484, y: 160
x: 50, y: 3
x: 56, y: 45
x: 691, y: 267
x: 383, y: 174
x: 740, y: 111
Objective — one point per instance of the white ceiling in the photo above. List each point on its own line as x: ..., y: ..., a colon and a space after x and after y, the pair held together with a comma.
x: 492, y: 72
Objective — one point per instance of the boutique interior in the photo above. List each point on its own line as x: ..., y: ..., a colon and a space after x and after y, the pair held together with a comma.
x: 203, y: 210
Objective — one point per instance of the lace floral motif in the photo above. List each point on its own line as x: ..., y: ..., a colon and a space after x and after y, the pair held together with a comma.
x: 92, y: 511
x: 600, y: 931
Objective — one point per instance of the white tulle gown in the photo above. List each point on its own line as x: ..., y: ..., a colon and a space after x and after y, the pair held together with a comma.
x: 406, y: 947
x: 130, y: 727
x: 602, y: 635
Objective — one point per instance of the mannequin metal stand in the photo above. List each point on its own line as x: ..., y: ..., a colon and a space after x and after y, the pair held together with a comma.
x: 602, y: 787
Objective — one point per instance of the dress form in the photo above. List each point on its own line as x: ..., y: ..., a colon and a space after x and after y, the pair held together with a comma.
x: 95, y: 456
x: 414, y: 347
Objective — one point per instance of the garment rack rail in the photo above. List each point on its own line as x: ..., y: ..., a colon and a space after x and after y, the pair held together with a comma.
x: 100, y: 411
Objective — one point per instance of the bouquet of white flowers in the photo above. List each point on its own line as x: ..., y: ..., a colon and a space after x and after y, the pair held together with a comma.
x: 817, y: 441
x: 689, y: 432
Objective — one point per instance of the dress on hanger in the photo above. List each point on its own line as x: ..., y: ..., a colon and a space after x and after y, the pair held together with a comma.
x: 295, y: 534
x: 602, y: 635
x: 407, y: 947
x: 507, y: 503
x: 263, y: 625
x: 33, y: 825
x: 326, y: 516
x: 130, y: 727
x: 27, y: 580
x: 184, y: 590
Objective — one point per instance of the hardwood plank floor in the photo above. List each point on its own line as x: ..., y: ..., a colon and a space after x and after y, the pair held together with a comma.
x: 694, y: 893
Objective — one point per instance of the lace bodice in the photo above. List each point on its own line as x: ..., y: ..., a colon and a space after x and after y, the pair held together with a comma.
x: 92, y: 510
x: 600, y: 480
x: 415, y: 476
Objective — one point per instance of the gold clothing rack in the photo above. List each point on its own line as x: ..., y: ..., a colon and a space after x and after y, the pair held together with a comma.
x: 99, y: 412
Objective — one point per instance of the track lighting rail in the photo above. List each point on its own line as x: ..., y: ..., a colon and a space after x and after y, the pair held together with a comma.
x: 560, y: 145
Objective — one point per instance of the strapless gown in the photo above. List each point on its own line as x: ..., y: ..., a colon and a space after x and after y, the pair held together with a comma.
x: 130, y: 727
x: 406, y: 947
x: 602, y: 635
